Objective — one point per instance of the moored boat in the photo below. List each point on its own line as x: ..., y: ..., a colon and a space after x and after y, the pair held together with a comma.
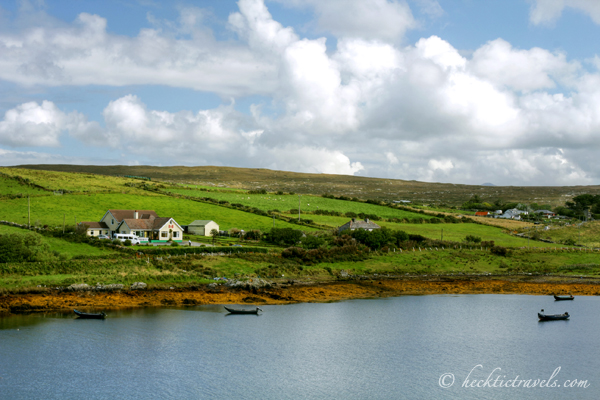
x: 240, y: 311
x: 89, y: 315
x: 569, y: 297
x: 552, y: 317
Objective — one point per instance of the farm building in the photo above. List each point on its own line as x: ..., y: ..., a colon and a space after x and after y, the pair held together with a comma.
x: 354, y: 224
x: 202, y: 227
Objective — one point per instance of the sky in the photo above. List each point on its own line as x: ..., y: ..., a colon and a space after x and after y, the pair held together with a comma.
x: 458, y: 91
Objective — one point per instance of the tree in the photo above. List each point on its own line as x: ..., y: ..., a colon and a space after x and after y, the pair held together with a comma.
x: 312, y: 242
x: 375, y: 239
x: 215, y: 234
x: 284, y: 236
x: 18, y: 247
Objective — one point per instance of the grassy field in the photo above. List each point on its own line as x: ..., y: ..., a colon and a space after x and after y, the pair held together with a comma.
x: 62, y: 246
x: 10, y: 186
x: 586, y: 234
x: 351, y: 186
x: 50, y: 210
x: 307, y: 203
x: 201, y: 269
x: 453, y: 232
x: 76, y: 182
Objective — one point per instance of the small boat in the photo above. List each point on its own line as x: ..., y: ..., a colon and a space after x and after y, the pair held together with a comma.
x: 89, y: 316
x: 238, y: 311
x: 552, y: 317
x: 569, y: 297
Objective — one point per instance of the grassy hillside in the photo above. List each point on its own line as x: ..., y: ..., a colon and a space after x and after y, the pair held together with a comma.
x: 308, y: 203
x: 10, y: 186
x: 61, y: 246
x: 51, y: 209
x: 351, y: 186
x: 74, y: 182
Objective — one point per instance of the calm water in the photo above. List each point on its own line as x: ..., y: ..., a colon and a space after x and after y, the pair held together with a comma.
x: 396, y: 348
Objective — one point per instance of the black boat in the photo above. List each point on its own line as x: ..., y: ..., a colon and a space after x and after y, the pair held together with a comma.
x: 552, y: 317
x: 89, y: 316
x: 238, y: 311
x: 569, y: 297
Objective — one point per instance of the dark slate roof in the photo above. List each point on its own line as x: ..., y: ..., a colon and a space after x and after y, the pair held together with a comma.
x: 360, y: 224
x: 120, y: 215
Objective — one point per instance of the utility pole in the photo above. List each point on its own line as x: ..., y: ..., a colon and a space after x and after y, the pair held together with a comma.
x: 64, y: 220
x: 28, y: 212
x: 299, y: 196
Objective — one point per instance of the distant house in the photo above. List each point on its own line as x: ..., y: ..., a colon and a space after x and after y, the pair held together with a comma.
x: 142, y: 223
x: 362, y: 224
x: 482, y: 214
x: 202, y: 227
x: 401, y: 201
x: 545, y: 213
x: 513, y: 213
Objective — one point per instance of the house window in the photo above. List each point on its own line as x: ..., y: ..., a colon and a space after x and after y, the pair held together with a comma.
x: 113, y: 222
x: 92, y: 233
x: 163, y: 234
x: 175, y: 234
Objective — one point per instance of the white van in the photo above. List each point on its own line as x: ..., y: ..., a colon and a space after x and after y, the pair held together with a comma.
x: 128, y: 236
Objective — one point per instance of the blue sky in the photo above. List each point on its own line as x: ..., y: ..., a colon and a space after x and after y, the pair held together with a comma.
x: 460, y: 91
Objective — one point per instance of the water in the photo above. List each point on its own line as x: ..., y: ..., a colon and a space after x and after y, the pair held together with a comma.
x: 395, y: 348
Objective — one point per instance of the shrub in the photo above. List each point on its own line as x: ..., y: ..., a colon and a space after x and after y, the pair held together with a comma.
x: 472, y: 239
x: 127, y: 242
x: 174, y: 244
x: 499, y: 251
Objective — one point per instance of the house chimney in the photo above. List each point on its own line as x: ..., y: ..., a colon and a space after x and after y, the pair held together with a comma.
x: 135, y: 214
x: 353, y: 220
x: 366, y: 219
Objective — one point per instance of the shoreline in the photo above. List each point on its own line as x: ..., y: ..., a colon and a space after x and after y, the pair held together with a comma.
x: 288, y: 293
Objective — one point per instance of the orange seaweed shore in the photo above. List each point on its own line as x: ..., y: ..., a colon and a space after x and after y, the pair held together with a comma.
x: 286, y: 293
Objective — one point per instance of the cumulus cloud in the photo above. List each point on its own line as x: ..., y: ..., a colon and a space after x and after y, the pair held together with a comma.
x: 368, y: 106
x: 41, y: 125
x: 84, y: 53
x: 548, y: 11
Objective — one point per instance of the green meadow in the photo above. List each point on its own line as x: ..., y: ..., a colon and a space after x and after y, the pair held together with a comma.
x: 451, y: 232
x: 307, y: 203
x: 69, y: 249
x: 75, y: 182
x: 50, y: 210
x: 10, y: 186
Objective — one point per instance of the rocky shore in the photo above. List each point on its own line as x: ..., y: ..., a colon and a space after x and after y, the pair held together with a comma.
x: 256, y: 292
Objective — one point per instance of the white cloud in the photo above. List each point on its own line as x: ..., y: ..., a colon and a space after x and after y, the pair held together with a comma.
x: 548, y: 11
x: 41, y: 125
x: 533, y: 69
x: 367, y: 106
x: 385, y: 20
x: 84, y: 53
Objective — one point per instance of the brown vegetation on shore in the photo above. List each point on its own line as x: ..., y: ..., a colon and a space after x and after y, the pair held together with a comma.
x: 285, y: 293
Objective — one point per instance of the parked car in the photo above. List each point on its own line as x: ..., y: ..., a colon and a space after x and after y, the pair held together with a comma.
x: 103, y: 237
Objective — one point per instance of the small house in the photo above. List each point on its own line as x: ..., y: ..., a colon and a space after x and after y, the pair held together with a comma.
x: 354, y: 224
x: 482, y: 213
x: 202, y: 227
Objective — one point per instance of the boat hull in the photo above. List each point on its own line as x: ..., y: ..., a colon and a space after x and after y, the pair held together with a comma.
x: 238, y: 311
x: 560, y: 298
x: 83, y: 315
x: 554, y: 317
